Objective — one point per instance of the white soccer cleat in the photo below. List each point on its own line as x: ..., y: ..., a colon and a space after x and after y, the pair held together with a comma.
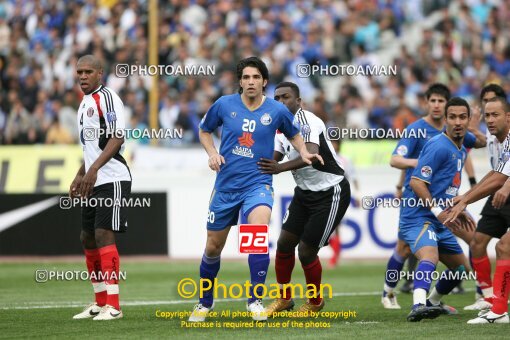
x: 90, y: 311
x: 390, y: 301
x: 257, y: 310
x: 108, y: 313
x: 489, y: 316
x: 479, y: 304
x: 199, y: 313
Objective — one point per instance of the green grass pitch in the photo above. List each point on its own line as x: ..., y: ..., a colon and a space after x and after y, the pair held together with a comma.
x: 30, y: 309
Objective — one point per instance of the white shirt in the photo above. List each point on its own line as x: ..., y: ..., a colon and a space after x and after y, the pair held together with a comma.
x: 318, y: 177
x: 102, y: 110
x: 504, y: 164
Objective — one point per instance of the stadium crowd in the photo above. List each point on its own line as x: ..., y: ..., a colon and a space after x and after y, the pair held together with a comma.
x: 40, y: 41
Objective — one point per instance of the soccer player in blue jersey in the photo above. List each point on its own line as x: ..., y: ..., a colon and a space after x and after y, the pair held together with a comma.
x: 435, y: 182
x: 249, y: 121
x: 405, y: 157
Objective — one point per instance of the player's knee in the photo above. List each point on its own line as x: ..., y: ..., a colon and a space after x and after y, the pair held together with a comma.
x: 87, y: 240
x: 214, y: 248
x: 285, y: 246
x: 503, y: 248
x: 104, y: 237
x: 477, y: 247
x: 307, y: 254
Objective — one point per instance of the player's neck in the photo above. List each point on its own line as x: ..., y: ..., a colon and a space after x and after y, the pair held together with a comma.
x: 253, y: 103
x: 457, y: 142
x: 438, y: 124
x: 501, y: 138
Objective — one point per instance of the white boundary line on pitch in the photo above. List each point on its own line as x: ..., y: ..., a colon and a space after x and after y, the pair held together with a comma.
x: 155, y: 303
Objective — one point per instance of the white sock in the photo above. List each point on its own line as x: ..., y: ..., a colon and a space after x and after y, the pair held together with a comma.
x: 388, y: 289
x: 435, y: 297
x: 487, y: 292
x: 420, y: 296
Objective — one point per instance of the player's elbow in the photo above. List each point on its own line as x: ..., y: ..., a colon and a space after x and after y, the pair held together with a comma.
x: 395, y: 162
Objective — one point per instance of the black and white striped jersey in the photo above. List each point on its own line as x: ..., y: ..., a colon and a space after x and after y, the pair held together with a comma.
x: 504, y: 164
x: 317, y: 177
x: 100, y: 115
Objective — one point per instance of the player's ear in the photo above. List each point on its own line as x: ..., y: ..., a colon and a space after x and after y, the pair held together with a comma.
x: 298, y: 100
x: 264, y: 83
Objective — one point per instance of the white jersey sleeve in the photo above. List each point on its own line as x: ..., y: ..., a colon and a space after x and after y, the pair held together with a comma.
x: 310, y: 128
x: 113, y: 109
x: 504, y: 163
x: 278, y: 143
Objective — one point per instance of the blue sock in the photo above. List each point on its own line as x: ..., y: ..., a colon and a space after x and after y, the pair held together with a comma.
x: 208, y: 270
x: 393, y: 269
x: 422, y: 280
x: 445, y: 285
x: 478, y: 289
x: 259, y: 263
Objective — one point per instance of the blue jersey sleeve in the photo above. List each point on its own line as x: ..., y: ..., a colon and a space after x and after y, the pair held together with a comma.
x: 469, y: 140
x: 431, y: 158
x: 405, y: 146
x: 286, y: 124
x: 212, y: 119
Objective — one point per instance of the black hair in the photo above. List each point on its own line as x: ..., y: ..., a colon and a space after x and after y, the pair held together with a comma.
x: 498, y: 91
x: 457, y: 101
x: 503, y: 102
x: 290, y: 84
x: 252, y: 62
x: 438, y: 88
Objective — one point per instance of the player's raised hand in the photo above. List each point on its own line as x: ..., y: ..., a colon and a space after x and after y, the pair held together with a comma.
x: 500, y: 197
x: 309, y: 158
x: 74, y: 188
x: 269, y: 166
x: 87, y: 183
x: 476, y: 117
x: 215, y: 162
x: 456, y: 210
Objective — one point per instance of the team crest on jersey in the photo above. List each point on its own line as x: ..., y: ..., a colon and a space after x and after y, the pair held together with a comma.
x: 426, y: 171
x: 402, y: 150
x: 111, y: 117
x: 305, y: 129
x: 266, y: 119
x: 233, y: 114
x: 505, y: 156
x: 90, y: 112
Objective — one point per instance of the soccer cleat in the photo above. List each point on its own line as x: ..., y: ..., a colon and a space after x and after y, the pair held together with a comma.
x: 479, y: 304
x: 200, y: 312
x: 445, y: 309
x: 308, y: 307
x: 279, y: 305
x: 489, y: 317
x: 108, y: 313
x: 257, y: 310
x: 89, y: 312
x: 407, y: 287
x: 420, y: 312
x: 390, y: 301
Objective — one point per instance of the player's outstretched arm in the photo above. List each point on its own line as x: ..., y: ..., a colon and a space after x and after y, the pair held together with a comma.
x: 215, y: 159
x: 488, y: 186
x: 298, y: 144
x: 400, y: 162
x: 89, y: 180
x: 271, y: 166
x: 74, y: 188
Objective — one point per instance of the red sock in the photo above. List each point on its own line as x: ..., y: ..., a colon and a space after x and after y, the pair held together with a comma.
x: 501, y: 286
x: 93, y: 261
x: 313, y: 274
x: 110, y: 265
x: 284, y: 264
x: 482, y: 267
x: 334, y: 242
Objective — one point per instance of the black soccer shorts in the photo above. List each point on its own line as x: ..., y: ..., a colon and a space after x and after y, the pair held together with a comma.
x: 494, y: 222
x: 314, y: 215
x: 106, y: 208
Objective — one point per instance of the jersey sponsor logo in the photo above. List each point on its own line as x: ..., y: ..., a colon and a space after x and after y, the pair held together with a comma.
x: 305, y: 129
x: 90, y: 112
x: 453, y: 191
x: 456, y: 180
x: 111, y: 117
x: 505, y: 156
x: 242, y: 151
x: 402, y: 150
x: 246, y: 139
x: 266, y: 119
x: 426, y: 171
